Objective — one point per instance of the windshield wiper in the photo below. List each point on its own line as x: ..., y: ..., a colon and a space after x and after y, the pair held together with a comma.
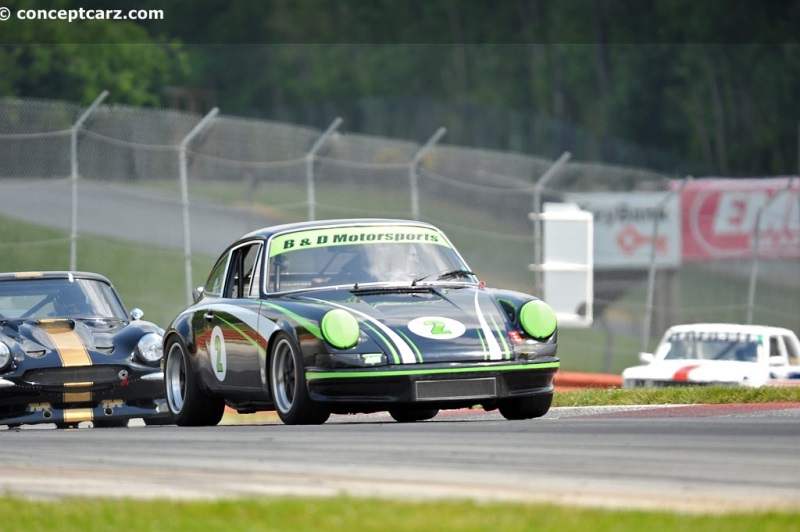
x: 444, y: 274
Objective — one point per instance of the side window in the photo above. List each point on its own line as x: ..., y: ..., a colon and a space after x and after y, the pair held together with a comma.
x: 214, y: 284
x: 776, y: 354
x: 791, y: 350
x: 242, y: 270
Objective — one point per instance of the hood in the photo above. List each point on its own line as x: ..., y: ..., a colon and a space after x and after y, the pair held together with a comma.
x: 700, y: 372
x: 74, y: 342
x: 429, y: 324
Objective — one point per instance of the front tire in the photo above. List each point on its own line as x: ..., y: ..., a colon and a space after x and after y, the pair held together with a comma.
x: 189, y: 406
x: 525, y: 407
x: 288, y: 385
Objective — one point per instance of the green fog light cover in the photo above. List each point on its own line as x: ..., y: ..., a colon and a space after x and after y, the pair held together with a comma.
x: 538, y: 319
x: 340, y: 329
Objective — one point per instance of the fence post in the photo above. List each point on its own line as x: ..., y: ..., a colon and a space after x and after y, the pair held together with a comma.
x: 412, y: 171
x: 651, y: 274
x: 751, y: 289
x: 310, y: 188
x: 538, y: 252
x: 184, y: 173
x: 73, y: 234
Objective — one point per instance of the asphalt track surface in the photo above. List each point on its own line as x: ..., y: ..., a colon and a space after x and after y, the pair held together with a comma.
x: 128, y: 212
x: 702, y: 458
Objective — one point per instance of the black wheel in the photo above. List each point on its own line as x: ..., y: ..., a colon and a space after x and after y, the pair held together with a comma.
x: 525, y: 407
x: 189, y: 406
x: 288, y: 385
x: 412, y: 415
x: 109, y: 423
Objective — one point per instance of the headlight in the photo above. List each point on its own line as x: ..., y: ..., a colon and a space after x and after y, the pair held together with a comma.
x: 340, y: 329
x: 5, y: 356
x: 149, y: 348
x: 538, y: 319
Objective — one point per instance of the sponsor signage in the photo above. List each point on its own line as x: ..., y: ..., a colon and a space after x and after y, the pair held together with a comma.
x: 719, y: 218
x: 623, y: 228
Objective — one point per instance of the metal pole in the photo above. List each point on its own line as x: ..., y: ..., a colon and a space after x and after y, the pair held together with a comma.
x: 73, y: 234
x: 538, y: 252
x: 651, y: 274
x: 751, y: 290
x: 184, y: 173
x: 310, y: 190
x: 412, y: 171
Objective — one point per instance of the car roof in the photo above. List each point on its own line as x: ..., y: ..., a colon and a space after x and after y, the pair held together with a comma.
x: 267, y: 232
x: 728, y: 328
x: 16, y: 276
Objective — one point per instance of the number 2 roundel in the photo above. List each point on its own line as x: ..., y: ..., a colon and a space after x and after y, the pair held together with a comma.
x: 436, y: 327
x: 216, y: 352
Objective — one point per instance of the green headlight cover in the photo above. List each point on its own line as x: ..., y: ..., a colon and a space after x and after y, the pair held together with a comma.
x: 538, y: 319
x: 340, y: 328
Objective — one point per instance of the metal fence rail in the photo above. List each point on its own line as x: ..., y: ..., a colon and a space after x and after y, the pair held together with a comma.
x: 241, y: 174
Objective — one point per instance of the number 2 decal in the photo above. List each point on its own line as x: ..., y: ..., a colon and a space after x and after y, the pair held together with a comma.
x: 436, y: 327
x: 216, y: 352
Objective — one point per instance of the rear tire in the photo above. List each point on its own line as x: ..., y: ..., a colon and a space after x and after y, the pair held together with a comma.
x: 288, y: 385
x: 189, y: 406
x: 413, y: 415
x: 525, y: 407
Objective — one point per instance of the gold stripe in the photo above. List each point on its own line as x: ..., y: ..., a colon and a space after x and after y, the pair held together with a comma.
x: 77, y: 384
x: 69, y: 347
x: 22, y: 275
x: 78, y: 397
x: 76, y: 415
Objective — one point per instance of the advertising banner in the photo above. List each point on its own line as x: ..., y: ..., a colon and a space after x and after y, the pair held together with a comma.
x: 719, y: 218
x: 623, y: 228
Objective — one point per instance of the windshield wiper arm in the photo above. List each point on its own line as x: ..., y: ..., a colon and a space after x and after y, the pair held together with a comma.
x: 441, y: 276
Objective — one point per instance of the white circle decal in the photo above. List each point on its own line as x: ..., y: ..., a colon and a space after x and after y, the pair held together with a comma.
x: 216, y: 351
x: 436, y: 327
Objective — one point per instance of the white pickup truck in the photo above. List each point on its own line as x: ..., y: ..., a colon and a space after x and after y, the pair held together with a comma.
x: 719, y: 354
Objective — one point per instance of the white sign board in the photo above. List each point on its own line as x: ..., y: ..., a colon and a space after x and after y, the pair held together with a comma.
x: 568, y: 263
x: 623, y: 228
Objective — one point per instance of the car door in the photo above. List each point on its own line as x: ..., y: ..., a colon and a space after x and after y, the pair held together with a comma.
x: 233, y: 345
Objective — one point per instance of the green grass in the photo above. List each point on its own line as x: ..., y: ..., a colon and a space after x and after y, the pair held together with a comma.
x: 345, y: 513
x: 678, y: 396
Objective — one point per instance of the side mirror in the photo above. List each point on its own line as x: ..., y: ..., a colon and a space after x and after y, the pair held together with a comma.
x: 136, y: 314
x: 197, y: 293
x: 646, y: 358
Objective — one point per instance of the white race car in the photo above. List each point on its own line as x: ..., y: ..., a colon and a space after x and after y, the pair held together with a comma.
x: 719, y: 354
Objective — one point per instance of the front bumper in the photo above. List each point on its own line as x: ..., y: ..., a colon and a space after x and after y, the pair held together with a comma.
x: 25, y: 403
x: 434, y: 385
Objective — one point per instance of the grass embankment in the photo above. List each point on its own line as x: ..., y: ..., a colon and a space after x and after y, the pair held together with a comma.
x: 343, y: 513
x: 714, y: 395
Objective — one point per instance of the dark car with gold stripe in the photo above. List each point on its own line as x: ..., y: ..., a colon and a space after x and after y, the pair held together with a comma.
x: 356, y: 316
x: 70, y: 352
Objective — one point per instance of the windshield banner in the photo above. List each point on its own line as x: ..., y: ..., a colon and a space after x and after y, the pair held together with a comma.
x: 348, y: 236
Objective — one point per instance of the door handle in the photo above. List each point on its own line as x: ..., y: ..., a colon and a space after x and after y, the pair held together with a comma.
x: 208, y: 316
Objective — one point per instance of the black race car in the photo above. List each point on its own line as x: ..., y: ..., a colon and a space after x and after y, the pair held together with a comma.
x: 355, y: 316
x: 69, y: 352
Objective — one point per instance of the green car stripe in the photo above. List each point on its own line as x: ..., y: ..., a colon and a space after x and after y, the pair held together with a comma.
x: 308, y: 325
x: 312, y: 375
x: 261, y: 350
x: 412, y: 344
x: 395, y: 356
x: 502, y: 337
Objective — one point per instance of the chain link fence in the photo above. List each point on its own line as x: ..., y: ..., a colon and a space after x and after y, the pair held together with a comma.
x: 244, y: 174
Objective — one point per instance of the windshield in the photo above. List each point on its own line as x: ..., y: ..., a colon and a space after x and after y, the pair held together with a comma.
x: 711, y: 346
x: 362, y: 255
x: 58, y: 298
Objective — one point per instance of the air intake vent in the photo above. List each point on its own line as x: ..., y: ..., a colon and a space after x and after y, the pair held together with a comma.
x: 456, y: 389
